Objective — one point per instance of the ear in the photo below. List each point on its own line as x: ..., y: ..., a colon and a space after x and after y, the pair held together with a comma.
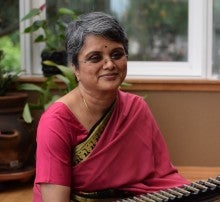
x: 76, y: 72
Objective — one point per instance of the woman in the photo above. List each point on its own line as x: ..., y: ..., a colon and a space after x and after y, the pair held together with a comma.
x: 97, y: 141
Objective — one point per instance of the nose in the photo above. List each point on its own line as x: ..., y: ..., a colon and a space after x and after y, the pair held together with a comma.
x: 108, y: 63
x: 107, y: 59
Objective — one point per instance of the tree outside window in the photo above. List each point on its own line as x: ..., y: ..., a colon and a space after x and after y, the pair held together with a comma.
x: 9, y: 33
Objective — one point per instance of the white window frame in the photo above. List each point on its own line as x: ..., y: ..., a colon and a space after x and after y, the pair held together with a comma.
x: 199, y: 47
x: 30, y: 51
x: 210, y: 24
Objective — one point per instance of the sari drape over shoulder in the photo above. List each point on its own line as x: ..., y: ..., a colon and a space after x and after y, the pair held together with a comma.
x: 129, y: 155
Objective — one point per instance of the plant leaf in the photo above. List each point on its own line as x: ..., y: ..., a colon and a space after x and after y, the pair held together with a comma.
x: 31, y: 87
x: 66, y: 71
x: 32, y: 13
x: 126, y: 84
x: 63, y: 78
x: 27, y: 114
x: 40, y: 38
x: 66, y: 11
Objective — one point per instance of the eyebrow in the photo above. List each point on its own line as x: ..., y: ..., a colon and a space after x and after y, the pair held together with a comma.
x: 91, y: 53
x: 99, y: 52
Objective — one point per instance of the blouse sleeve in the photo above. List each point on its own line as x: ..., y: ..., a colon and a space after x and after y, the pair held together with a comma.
x: 53, y: 155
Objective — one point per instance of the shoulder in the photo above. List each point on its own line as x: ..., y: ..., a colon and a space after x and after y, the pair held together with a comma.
x: 56, y: 124
x: 128, y: 96
x: 131, y: 100
x: 131, y: 103
x: 57, y: 116
x: 57, y: 109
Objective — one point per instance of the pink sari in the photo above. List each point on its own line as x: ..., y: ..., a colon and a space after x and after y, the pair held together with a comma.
x: 130, y: 154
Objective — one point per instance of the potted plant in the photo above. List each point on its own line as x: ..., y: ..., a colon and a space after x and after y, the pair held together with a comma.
x: 49, y: 91
x: 52, y: 35
x: 15, y: 134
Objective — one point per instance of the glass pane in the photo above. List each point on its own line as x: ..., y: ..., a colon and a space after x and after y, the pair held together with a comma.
x: 216, y: 38
x: 9, y: 33
x: 157, y: 29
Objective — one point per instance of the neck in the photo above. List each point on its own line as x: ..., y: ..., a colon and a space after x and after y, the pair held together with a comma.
x: 97, y: 103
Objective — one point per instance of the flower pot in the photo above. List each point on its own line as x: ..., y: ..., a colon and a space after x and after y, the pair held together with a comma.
x: 9, y: 157
x: 17, y: 138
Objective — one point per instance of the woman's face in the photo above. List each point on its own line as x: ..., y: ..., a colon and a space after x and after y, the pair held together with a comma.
x: 102, y: 64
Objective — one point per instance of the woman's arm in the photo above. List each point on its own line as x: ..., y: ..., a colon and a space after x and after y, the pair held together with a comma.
x: 55, y: 193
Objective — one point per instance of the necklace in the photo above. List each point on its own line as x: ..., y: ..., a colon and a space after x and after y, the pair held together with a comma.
x: 91, y: 115
x: 84, y: 101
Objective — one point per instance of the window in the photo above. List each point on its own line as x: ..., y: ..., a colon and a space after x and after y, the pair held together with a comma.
x: 169, y: 38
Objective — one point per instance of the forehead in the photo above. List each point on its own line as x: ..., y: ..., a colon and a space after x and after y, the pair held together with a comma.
x: 98, y: 43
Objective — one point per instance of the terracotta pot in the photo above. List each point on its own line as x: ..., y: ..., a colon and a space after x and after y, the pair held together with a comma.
x: 9, y: 157
x: 17, y: 138
x: 12, y: 102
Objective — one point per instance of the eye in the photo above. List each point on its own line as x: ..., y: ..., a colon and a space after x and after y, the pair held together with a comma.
x: 116, y: 55
x: 94, y: 58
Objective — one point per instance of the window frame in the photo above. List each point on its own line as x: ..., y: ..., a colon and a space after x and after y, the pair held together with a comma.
x: 29, y: 50
x: 199, y: 47
x: 196, y: 65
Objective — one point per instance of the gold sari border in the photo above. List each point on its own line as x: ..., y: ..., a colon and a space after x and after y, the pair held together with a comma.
x: 82, y: 150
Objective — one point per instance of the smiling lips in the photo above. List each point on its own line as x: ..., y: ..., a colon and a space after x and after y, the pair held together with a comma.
x: 109, y: 75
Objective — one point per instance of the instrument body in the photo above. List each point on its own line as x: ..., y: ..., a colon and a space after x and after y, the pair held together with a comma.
x: 201, y: 191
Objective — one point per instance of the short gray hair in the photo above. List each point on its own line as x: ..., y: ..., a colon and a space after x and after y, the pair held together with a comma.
x: 93, y: 23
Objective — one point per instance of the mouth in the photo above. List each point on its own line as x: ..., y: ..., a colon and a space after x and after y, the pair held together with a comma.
x: 109, y: 75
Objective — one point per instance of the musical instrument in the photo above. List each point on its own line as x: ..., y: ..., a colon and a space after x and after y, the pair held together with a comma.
x: 201, y: 191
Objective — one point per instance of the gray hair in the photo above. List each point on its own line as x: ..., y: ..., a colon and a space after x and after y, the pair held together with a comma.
x: 94, y: 23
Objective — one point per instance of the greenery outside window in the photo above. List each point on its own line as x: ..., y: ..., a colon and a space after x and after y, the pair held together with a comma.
x: 9, y: 34
x: 167, y: 38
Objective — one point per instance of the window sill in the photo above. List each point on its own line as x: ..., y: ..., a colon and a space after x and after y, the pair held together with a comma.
x: 173, y: 85
x: 155, y: 84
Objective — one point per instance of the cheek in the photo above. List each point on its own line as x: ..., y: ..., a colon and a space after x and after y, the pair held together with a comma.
x: 123, y: 70
x: 91, y: 72
x: 88, y: 73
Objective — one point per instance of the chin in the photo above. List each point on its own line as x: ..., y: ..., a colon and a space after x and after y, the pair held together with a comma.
x: 110, y: 87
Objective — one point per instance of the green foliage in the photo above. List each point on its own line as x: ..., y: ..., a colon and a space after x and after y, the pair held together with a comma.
x: 7, y: 76
x: 67, y: 75
x: 53, y: 35
x: 11, y: 48
x: 158, y: 14
x: 44, y: 97
x: 157, y: 21
x: 9, y: 17
x: 45, y: 93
